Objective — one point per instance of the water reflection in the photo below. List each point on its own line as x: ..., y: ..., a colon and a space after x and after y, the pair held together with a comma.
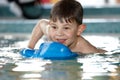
x: 100, y: 66
x: 62, y: 70
x: 36, y: 69
x: 30, y: 69
x: 30, y: 66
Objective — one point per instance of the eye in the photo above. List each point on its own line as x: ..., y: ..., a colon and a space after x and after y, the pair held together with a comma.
x: 66, y: 28
x: 53, y: 27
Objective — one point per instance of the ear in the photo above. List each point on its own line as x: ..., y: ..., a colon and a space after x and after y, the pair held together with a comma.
x: 81, y: 28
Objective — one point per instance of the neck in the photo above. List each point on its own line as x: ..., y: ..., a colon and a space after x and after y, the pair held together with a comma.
x: 77, y: 46
x: 73, y: 45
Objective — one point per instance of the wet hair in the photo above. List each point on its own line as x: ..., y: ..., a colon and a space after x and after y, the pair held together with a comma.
x: 68, y: 10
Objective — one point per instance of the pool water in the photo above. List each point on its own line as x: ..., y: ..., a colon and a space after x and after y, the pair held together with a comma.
x: 85, y: 67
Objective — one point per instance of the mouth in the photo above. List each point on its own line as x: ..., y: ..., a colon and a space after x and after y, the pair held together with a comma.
x: 61, y: 40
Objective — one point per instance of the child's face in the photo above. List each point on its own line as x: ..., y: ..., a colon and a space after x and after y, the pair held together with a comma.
x: 65, y: 33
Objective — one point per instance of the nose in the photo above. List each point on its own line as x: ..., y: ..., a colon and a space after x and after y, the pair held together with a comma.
x: 59, y: 32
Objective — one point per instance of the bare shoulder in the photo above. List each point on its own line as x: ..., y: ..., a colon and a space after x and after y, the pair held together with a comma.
x: 86, y: 47
x: 43, y: 24
x: 101, y: 51
x: 43, y: 21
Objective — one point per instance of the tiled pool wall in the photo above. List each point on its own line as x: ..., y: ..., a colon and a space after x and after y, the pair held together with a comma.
x: 104, y: 19
x: 88, y: 11
x: 93, y: 26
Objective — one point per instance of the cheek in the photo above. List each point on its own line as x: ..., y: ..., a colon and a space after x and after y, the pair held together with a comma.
x: 70, y: 34
x: 51, y: 34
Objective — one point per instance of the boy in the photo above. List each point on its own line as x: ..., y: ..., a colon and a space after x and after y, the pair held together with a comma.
x: 65, y: 26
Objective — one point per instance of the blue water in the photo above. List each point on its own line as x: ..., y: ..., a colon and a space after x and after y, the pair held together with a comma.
x: 86, y: 67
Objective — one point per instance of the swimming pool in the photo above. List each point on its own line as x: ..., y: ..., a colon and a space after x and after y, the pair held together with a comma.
x: 85, y: 67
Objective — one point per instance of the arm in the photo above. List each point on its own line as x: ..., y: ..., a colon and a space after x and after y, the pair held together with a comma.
x: 38, y: 32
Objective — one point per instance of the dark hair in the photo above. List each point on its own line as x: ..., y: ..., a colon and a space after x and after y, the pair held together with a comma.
x: 69, y: 10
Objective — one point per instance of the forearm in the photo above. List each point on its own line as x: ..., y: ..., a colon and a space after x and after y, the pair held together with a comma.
x: 36, y: 35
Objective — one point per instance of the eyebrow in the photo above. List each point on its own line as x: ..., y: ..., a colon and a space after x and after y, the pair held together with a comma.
x: 65, y: 24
